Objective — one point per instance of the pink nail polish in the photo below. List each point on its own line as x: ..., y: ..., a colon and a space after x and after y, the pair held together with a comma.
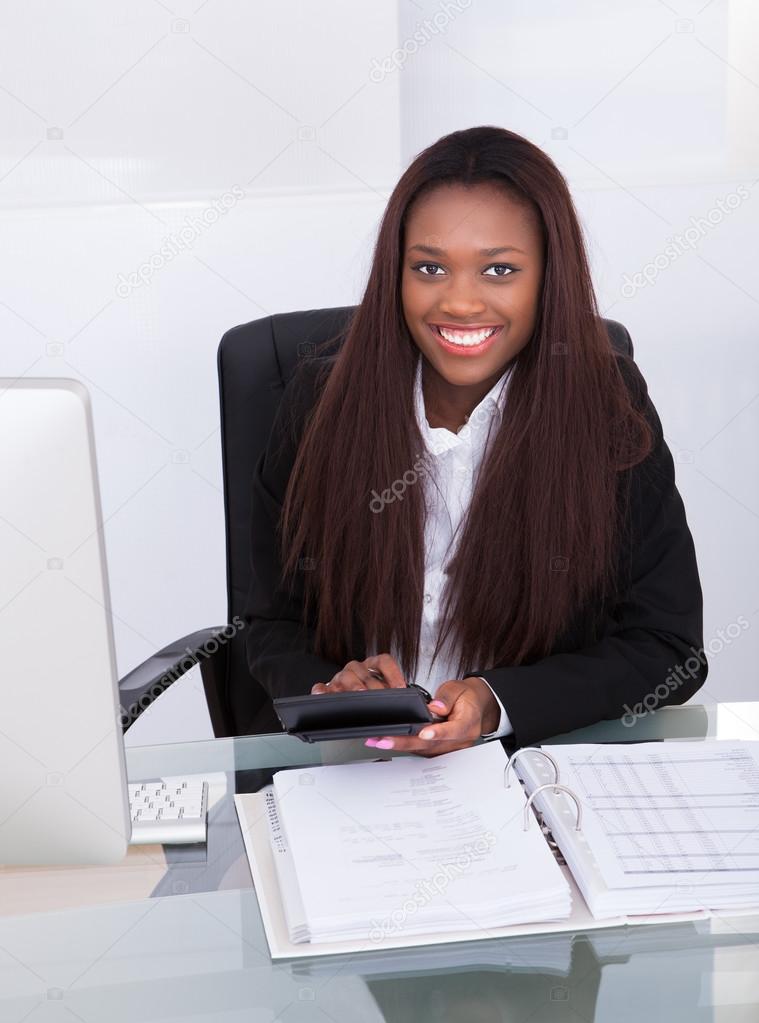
x: 371, y: 742
x: 385, y: 744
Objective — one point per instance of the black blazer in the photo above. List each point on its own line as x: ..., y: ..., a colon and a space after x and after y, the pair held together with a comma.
x: 647, y: 653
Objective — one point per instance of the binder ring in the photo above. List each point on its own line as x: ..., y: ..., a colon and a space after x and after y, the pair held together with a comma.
x: 524, y: 749
x: 555, y: 787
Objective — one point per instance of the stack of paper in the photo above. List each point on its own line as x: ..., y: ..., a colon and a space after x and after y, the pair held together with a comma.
x: 409, y: 846
x: 542, y: 953
x: 665, y: 828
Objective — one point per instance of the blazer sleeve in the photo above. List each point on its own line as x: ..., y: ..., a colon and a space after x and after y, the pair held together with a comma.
x: 279, y: 643
x: 650, y: 650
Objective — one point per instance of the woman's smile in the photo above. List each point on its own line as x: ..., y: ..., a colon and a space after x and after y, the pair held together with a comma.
x: 465, y: 341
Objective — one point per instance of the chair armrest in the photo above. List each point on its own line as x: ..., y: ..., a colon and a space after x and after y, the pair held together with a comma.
x: 145, y: 683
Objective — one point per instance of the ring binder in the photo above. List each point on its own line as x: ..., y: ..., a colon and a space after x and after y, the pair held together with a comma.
x: 588, y: 885
x: 526, y: 749
x: 556, y: 788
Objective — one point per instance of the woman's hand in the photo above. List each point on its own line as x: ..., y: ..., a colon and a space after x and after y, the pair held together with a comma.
x: 470, y: 710
x: 356, y: 676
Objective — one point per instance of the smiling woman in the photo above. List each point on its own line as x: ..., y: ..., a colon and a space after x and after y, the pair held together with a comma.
x: 541, y: 575
x: 468, y: 321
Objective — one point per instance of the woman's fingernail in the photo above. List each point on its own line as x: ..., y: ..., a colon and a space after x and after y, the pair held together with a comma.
x: 426, y: 733
x: 371, y: 742
x: 384, y: 744
x: 437, y: 704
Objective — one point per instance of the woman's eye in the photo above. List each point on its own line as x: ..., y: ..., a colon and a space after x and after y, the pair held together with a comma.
x: 431, y: 270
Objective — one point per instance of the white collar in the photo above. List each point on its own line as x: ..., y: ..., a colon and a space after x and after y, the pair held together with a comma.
x: 475, y: 429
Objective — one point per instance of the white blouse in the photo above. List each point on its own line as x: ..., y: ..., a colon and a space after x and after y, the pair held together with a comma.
x: 452, y: 461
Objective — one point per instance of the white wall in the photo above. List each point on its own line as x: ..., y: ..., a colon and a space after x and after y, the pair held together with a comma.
x: 120, y: 121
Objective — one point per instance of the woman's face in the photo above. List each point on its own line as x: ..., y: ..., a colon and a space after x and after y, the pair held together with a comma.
x: 471, y: 283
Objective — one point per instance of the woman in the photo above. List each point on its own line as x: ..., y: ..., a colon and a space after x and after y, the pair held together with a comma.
x: 475, y: 493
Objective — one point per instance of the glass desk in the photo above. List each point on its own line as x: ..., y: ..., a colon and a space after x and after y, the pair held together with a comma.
x: 176, y: 933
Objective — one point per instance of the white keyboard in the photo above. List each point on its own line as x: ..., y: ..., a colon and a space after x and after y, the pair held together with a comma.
x: 171, y: 811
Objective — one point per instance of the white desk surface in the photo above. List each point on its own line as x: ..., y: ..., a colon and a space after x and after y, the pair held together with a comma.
x: 176, y: 932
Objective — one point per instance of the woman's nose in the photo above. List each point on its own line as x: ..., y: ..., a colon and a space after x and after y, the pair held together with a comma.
x: 460, y: 300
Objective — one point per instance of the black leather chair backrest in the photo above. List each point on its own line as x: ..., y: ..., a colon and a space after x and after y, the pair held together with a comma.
x: 255, y: 362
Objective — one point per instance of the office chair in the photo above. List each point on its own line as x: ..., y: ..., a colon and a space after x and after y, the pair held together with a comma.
x: 255, y: 361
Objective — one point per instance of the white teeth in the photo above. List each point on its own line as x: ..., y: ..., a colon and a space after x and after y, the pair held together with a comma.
x: 467, y: 338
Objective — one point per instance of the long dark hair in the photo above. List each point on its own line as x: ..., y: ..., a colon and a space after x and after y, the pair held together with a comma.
x: 544, y: 531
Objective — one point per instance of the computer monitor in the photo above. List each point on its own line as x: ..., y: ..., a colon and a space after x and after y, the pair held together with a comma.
x: 63, y: 789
